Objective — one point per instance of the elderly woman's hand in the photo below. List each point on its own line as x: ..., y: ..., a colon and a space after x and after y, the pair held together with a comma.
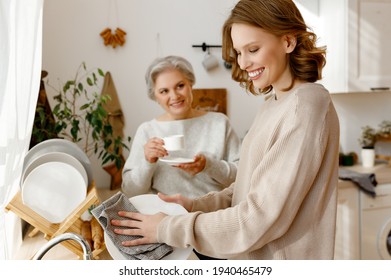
x: 154, y: 149
x: 194, y: 167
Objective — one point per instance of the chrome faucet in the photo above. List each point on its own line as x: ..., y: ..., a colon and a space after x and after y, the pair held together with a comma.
x: 87, y: 253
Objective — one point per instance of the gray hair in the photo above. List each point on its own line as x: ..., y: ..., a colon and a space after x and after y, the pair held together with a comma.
x: 159, y: 65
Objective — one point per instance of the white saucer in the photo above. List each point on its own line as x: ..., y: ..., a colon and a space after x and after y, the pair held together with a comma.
x: 176, y: 160
x: 152, y: 204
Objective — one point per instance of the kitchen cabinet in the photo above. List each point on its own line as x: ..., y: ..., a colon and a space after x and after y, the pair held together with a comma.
x: 363, y: 221
x: 357, y: 36
x: 347, y: 242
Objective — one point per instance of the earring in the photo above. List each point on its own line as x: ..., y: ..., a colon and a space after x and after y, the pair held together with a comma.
x: 113, y: 39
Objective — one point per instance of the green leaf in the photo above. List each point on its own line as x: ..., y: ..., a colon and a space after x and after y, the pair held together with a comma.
x: 95, y: 135
x: 105, y: 161
x: 101, y: 72
x: 108, y: 130
x: 58, y: 98
x: 101, y: 111
x: 41, y: 116
x: 118, y: 163
x: 67, y: 85
x: 75, y: 129
x: 89, y: 81
x: 83, y: 107
x: 107, y: 143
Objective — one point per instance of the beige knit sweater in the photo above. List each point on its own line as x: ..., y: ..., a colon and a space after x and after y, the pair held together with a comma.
x: 283, y: 202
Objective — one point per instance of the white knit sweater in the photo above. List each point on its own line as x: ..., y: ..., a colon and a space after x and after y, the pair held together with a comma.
x: 210, y: 134
x: 283, y: 202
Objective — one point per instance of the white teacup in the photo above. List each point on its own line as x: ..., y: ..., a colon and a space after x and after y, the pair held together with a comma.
x: 174, y: 142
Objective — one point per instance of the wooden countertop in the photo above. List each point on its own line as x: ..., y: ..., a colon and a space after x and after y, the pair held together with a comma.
x: 105, y: 193
x: 382, y: 171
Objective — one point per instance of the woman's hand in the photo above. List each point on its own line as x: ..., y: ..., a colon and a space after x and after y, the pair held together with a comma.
x: 146, y: 225
x: 187, y: 203
x: 195, y: 167
x: 154, y: 149
x: 138, y: 224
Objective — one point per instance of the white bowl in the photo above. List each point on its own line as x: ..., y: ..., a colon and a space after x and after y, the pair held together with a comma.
x: 54, y: 190
x: 55, y: 156
x: 59, y: 145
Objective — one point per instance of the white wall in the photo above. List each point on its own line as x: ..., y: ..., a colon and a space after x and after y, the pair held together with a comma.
x: 154, y: 28
x: 356, y: 110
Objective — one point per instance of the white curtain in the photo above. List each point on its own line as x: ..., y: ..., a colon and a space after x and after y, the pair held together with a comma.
x: 20, y: 72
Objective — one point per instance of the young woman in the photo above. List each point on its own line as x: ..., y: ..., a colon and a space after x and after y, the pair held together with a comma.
x: 283, y: 202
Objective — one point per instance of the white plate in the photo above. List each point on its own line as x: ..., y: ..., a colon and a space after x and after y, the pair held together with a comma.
x: 55, y: 156
x: 59, y: 145
x: 54, y: 190
x: 152, y: 204
x: 176, y: 160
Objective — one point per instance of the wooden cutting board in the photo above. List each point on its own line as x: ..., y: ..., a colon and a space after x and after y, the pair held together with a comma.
x: 210, y: 99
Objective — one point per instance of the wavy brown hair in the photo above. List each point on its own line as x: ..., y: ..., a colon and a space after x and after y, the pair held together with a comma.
x: 278, y: 17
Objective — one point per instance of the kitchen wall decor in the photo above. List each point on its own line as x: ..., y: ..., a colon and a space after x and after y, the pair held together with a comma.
x: 113, y: 39
x: 117, y: 37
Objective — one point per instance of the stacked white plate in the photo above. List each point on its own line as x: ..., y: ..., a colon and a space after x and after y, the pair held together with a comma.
x: 55, y: 178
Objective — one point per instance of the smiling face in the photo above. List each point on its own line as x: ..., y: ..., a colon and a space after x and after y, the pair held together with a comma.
x: 173, y: 92
x: 263, y: 55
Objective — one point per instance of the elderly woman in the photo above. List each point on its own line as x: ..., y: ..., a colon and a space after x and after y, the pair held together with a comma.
x: 210, y: 140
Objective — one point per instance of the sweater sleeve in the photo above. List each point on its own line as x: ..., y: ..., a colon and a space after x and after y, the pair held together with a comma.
x: 138, y: 172
x: 279, y: 183
x: 214, y: 201
x: 224, y: 170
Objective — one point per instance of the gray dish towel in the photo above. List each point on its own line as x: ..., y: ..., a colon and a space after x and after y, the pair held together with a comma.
x: 107, y: 211
x: 365, y: 181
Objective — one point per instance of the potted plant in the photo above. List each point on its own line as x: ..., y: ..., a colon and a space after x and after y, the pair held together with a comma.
x: 367, y: 142
x: 384, y: 131
x: 81, y: 118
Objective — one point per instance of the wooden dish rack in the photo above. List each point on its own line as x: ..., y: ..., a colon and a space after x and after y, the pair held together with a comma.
x: 71, y: 224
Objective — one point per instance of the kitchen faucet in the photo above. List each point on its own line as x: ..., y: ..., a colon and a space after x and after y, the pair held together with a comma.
x: 87, y: 253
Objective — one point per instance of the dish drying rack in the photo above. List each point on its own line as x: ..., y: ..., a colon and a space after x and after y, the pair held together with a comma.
x: 72, y: 223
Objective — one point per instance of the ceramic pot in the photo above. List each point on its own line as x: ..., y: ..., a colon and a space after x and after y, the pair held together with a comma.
x: 368, y: 157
